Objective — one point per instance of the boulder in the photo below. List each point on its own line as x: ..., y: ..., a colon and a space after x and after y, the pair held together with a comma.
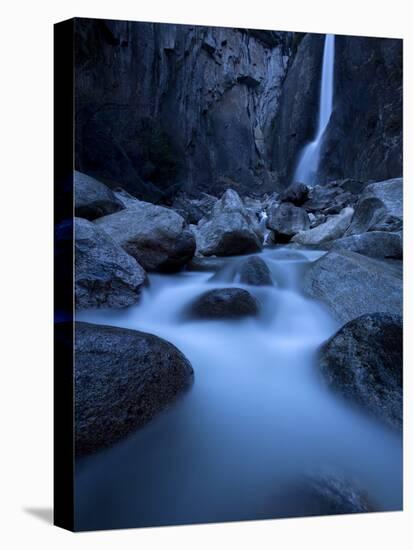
x: 224, y: 303
x: 380, y: 208
x: 122, y: 379
x: 229, y: 230
x: 363, y: 363
x: 297, y: 193
x: 127, y: 200
x: 376, y: 244
x: 351, y: 284
x: 105, y: 275
x: 329, y: 198
x: 92, y: 198
x: 320, y: 496
x: 287, y: 220
x: 254, y: 271
x: 193, y: 209
x: 333, y: 228
x: 154, y: 235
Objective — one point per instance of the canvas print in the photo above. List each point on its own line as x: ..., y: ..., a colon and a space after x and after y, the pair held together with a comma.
x: 238, y: 244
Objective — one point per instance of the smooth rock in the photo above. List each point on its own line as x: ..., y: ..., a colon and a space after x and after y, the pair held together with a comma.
x: 224, y: 303
x: 363, y: 362
x: 254, y: 271
x: 376, y: 244
x: 333, y: 228
x: 229, y: 230
x: 122, y: 379
x: 105, y: 275
x: 92, y: 198
x: 154, y: 235
x: 351, y: 284
x: 287, y: 220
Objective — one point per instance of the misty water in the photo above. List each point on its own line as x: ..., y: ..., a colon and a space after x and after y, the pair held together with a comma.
x: 257, y: 417
x: 307, y: 167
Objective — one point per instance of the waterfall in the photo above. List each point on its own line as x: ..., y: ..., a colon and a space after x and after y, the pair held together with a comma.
x: 307, y: 167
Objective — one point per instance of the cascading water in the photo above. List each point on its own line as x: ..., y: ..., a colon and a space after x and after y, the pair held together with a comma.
x: 306, y: 171
x: 256, y: 417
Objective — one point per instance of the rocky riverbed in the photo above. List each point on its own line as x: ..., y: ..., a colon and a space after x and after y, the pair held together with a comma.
x: 235, y: 353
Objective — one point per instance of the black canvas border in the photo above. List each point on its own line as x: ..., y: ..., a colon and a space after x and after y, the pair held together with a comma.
x: 63, y: 274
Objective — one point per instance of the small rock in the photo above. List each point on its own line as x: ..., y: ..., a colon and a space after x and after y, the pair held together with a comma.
x: 254, y: 271
x: 224, y: 303
x: 286, y: 221
x: 296, y: 194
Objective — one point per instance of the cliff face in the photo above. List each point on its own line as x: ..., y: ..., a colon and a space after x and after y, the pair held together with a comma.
x: 162, y: 107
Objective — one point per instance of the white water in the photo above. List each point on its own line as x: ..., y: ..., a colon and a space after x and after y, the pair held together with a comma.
x: 256, y: 417
x: 306, y: 171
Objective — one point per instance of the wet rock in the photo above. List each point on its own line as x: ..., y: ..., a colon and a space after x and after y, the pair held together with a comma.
x: 224, y: 303
x: 155, y: 236
x: 333, y: 228
x: 363, y: 363
x: 376, y: 244
x: 352, y: 285
x: 296, y: 194
x: 254, y: 271
x: 229, y: 230
x: 287, y: 220
x: 380, y: 208
x: 209, y: 263
x: 92, y: 198
x: 105, y: 275
x: 122, y: 379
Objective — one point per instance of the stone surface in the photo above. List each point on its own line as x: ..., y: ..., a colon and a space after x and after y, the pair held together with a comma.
x: 92, y: 198
x: 105, y: 275
x: 254, y: 271
x: 287, y: 220
x: 224, y: 303
x: 297, y: 193
x: 122, y: 379
x: 230, y: 229
x: 376, y: 244
x: 191, y: 209
x: 155, y: 236
x: 380, y: 208
x: 363, y: 362
x: 352, y: 285
x: 333, y: 228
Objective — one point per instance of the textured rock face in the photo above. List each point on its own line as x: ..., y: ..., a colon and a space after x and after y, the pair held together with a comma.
x: 376, y: 244
x: 193, y: 210
x: 230, y: 229
x: 297, y: 194
x: 146, y: 91
x: 254, y: 271
x: 286, y: 220
x: 224, y: 303
x: 92, y: 198
x: 145, y: 372
x: 380, y: 208
x: 352, y: 285
x: 155, y: 236
x: 105, y: 276
x: 333, y: 228
x: 363, y: 362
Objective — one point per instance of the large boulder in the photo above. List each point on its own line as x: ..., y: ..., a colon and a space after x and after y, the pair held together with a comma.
x: 351, y: 284
x: 380, y: 208
x: 320, y: 496
x: 92, y: 198
x: 155, y: 236
x: 224, y: 303
x: 297, y: 193
x: 363, y: 362
x: 254, y: 271
x: 376, y: 244
x: 105, y: 275
x: 122, y: 379
x: 333, y: 228
x: 287, y: 220
x: 229, y: 230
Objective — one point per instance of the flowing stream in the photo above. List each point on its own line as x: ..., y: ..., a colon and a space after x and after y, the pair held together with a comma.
x: 257, y: 416
x: 307, y: 167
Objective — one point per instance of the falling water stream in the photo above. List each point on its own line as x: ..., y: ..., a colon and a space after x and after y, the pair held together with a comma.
x: 257, y: 416
x: 307, y: 167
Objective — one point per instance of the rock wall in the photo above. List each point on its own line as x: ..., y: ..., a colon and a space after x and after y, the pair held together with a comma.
x: 162, y: 108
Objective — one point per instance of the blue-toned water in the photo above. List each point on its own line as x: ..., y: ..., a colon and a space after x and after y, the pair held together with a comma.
x: 256, y: 418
